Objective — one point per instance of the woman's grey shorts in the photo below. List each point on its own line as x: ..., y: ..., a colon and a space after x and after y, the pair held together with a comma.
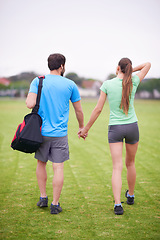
x: 129, y: 132
x: 54, y: 149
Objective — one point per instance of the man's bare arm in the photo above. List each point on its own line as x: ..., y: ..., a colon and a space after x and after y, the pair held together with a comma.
x: 31, y: 100
x: 79, y: 113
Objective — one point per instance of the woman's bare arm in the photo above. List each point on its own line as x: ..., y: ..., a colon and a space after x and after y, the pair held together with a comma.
x: 143, y: 68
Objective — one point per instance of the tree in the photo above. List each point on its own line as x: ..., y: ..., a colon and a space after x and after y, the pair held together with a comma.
x: 110, y: 76
x: 149, y: 85
x: 74, y: 77
x: 27, y: 76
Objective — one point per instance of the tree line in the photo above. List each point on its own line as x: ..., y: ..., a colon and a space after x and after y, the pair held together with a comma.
x: 23, y: 80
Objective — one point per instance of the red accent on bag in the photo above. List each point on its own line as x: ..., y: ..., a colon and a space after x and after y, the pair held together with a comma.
x: 22, y: 125
x: 15, y: 136
x: 41, y: 77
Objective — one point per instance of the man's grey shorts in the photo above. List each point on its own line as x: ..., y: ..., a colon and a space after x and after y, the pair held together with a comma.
x: 129, y: 132
x: 54, y: 149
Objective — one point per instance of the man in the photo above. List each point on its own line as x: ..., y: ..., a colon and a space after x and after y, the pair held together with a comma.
x: 54, y: 111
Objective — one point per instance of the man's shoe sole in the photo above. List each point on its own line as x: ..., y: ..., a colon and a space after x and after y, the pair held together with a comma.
x: 42, y: 206
x: 118, y: 213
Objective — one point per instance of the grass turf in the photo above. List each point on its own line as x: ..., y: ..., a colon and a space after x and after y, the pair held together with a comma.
x: 86, y: 199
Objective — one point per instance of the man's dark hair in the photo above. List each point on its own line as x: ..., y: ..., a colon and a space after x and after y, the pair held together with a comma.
x: 55, y: 61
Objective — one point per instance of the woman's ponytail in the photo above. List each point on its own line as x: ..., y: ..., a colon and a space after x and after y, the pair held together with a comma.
x: 126, y: 68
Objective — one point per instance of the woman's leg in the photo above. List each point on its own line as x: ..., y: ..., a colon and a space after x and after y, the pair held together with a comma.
x: 131, y: 150
x: 116, y: 153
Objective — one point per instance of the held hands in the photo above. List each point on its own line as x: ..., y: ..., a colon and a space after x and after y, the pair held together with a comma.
x: 83, y: 133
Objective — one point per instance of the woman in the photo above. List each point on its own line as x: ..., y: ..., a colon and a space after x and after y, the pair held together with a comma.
x: 122, y: 125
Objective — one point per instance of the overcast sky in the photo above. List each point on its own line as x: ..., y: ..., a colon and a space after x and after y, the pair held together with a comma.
x: 93, y: 35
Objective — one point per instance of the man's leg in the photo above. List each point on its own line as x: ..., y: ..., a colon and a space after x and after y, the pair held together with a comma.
x: 41, y: 177
x: 58, y: 180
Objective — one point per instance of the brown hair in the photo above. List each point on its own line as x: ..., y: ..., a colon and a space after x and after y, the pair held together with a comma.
x: 126, y: 68
x: 55, y: 61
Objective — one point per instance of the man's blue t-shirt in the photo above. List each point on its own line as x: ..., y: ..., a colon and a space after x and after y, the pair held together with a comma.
x: 54, y: 103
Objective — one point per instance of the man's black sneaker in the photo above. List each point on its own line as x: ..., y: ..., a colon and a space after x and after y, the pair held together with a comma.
x: 118, y: 210
x: 130, y: 200
x: 43, y: 202
x: 55, y: 209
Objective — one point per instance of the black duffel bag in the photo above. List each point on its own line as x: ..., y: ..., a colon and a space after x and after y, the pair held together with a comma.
x: 28, y: 137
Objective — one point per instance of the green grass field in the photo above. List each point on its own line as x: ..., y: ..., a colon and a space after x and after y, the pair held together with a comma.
x: 86, y: 199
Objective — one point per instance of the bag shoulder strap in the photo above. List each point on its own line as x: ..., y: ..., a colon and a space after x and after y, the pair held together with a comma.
x: 35, y: 109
